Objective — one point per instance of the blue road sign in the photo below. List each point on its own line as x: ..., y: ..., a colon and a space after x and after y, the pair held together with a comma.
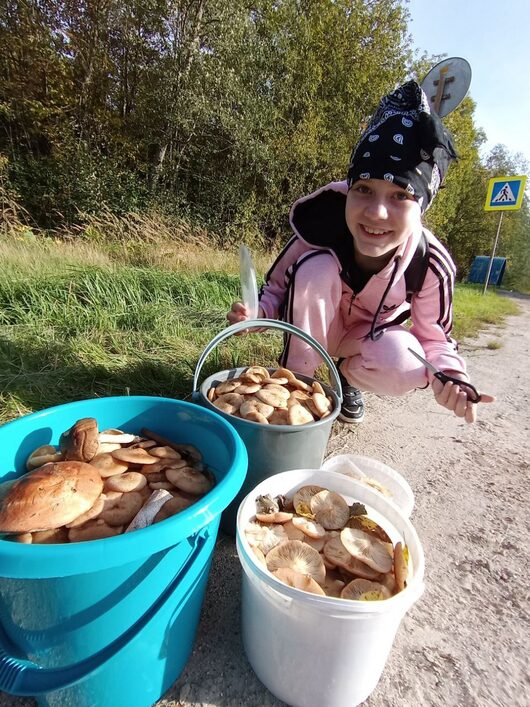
x: 505, y: 193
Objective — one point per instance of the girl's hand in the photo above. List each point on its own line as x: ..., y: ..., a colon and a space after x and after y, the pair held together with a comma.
x: 239, y: 313
x: 452, y: 397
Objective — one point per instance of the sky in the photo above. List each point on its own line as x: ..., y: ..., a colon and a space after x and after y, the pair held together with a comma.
x: 493, y: 37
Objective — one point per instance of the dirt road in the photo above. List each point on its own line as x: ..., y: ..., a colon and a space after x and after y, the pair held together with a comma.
x: 465, y: 642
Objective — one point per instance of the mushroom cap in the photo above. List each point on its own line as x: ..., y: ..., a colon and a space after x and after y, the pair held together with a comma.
x: 321, y: 403
x: 279, y: 417
x: 255, y: 405
x: 297, y: 556
x: 134, y: 455
x: 292, y: 532
x: 49, y: 497
x: 309, y: 527
x: 107, y: 465
x: 336, y: 553
x: 368, y: 549
x: 189, y: 480
x: 364, y: 590
x: 299, y: 415
x: 362, y: 522
x: 227, y: 386
x: 304, y: 495
x: 277, y: 517
x: 299, y: 581
x: 42, y: 455
x: 283, y: 373
x: 229, y: 402
x: 164, y: 453
x: 330, y: 510
x: 271, y: 397
x: 264, y: 537
x: 81, y: 441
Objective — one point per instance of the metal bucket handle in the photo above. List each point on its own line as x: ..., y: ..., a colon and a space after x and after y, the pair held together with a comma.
x: 270, y: 324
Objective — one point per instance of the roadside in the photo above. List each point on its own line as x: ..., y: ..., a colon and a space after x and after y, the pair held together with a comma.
x: 464, y: 642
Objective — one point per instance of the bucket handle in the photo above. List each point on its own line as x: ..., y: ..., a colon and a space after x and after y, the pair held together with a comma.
x: 24, y: 677
x: 269, y: 324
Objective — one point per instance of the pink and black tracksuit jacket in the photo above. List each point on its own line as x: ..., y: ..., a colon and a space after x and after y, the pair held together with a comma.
x: 310, y: 285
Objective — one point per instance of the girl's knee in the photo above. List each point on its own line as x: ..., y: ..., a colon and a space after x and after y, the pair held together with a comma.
x: 386, y: 366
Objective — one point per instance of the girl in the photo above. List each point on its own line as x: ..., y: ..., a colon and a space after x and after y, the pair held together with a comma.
x: 342, y: 276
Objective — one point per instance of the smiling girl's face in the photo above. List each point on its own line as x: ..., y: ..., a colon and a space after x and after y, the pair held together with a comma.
x: 380, y: 216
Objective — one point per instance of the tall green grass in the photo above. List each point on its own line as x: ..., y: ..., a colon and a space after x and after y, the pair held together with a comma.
x: 76, y: 322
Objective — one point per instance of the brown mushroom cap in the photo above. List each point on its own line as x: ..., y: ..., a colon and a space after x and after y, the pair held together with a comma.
x: 135, y: 455
x: 81, y: 442
x: 49, y: 497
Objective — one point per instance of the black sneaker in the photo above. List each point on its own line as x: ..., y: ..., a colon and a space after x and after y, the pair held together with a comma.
x: 352, y: 409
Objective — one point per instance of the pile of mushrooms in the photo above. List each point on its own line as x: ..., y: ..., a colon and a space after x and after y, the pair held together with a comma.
x: 316, y: 542
x: 100, y: 484
x: 271, y: 398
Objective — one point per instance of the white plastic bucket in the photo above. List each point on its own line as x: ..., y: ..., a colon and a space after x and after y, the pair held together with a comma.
x: 398, y: 487
x: 314, y: 651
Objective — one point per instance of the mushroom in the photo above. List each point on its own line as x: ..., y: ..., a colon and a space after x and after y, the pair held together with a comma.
x: 364, y: 590
x: 368, y: 549
x: 362, y: 522
x: 50, y: 537
x: 227, y: 387
x: 321, y: 403
x: 292, y: 532
x: 297, y: 556
x: 93, y: 530
x: 134, y: 456
x: 330, y: 510
x: 247, y: 388
x: 336, y: 553
x: 43, y: 455
x: 279, y: 417
x: 278, y: 517
x: 189, y: 480
x: 401, y: 570
x: 299, y: 415
x: 165, y: 452
x: 333, y: 585
x: 124, y: 483
x: 304, y: 494
x: 123, y: 511
x: 229, y: 402
x: 264, y: 537
x: 316, y: 543
x: 107, y: 465
x: 271, y: 397
x: 93, y: 512
x: 172, y: 507
x: 309, y: 527
x: 299, y: 581
x: 254, y: 405
x: 50, y: 497
x: 116, y: 437
x: 81, y: 441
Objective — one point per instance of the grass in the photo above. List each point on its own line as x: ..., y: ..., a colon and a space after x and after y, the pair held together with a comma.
x: 88, y: 318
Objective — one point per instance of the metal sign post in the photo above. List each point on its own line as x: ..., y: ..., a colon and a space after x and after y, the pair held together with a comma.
x: 490, y: 265
x: 504, y: 194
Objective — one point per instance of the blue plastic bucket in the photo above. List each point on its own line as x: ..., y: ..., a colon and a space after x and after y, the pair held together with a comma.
x: 111, y: 622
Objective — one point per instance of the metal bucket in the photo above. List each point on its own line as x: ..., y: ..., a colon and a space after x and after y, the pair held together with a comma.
x: 271, y: 448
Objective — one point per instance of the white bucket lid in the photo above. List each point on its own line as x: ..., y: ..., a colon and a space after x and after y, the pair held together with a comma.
x: 357, y: 467
x: 382, y: 510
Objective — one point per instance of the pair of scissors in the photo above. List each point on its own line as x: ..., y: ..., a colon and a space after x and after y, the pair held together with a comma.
x: 472, y: 393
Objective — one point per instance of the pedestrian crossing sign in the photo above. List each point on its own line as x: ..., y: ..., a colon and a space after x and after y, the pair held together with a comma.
x: 505, y: 193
